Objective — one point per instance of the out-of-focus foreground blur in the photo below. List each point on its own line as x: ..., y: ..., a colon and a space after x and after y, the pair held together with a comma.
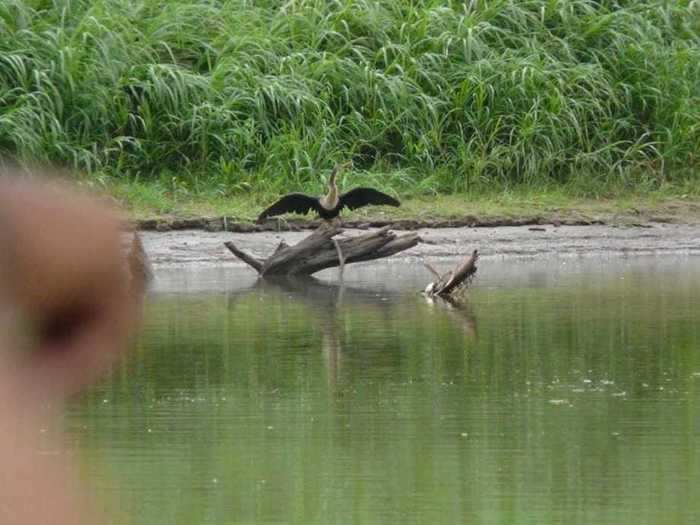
x: 68, y: 304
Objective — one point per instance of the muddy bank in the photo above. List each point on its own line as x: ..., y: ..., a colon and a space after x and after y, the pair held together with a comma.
x: 672, y: 212
x: 230, y: 224
x: 206, y: 248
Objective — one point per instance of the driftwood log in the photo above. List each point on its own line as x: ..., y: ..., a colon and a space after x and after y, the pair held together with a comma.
x: 139, y: 267
x: 448, y: 283
x: 320, y: 250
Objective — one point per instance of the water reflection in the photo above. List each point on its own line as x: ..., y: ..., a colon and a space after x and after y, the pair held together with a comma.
x: 324, y: 302
x: 331, y: 306
x: 459, y: 309
x: 303, y: 401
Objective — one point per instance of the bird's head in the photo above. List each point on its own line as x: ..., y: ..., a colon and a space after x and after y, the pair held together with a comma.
x: 338, y: 169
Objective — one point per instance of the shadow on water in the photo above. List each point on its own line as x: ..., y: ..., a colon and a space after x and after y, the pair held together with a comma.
x: 303, y: 401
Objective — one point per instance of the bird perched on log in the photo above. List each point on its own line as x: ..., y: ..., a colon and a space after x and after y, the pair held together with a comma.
x: 328, y: 207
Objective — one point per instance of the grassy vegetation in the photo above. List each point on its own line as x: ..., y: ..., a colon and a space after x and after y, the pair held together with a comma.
x: 152, y: 200
x: 222, y: 98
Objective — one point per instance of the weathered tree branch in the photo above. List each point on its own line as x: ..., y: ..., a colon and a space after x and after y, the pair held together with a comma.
x: 451, y: 281
x: 243, y: 256
x: 319, y: 251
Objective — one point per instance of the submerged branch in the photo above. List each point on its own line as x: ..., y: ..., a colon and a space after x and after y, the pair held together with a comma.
x: 451, y: 281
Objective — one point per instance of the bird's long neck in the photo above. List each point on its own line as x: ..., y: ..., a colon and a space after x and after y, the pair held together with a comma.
x: 331, y: 198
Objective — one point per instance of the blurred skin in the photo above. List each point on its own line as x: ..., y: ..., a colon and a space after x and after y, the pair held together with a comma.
x: 67, y: 308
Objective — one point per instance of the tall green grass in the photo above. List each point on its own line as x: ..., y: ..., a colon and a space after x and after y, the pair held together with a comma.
x: 438, y: 95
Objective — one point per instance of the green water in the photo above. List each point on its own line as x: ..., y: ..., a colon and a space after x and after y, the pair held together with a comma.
x: 561, y: 391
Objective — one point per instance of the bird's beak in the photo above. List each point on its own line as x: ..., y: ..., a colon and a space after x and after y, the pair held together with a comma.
x: 343, y: 166
x: 338, y: 170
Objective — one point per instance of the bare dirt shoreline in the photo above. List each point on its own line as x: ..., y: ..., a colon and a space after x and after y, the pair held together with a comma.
x: 188, y: 247
x: 436, y: 216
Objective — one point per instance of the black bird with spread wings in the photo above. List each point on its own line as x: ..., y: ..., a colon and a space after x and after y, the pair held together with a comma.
x: 328, y: 207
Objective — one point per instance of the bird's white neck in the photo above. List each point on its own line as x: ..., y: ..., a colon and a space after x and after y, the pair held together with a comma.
x: 330, y: 201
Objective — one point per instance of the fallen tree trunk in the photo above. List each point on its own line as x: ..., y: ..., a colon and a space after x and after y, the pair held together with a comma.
x: 446, y: 284
x: 320, y: 250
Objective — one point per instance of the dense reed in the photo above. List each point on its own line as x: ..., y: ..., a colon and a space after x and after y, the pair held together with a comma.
x: 430, y: 95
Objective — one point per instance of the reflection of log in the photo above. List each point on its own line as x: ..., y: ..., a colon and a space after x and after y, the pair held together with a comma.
x: 458, y: 309
x: 449, y: 282
x: 318, y: 251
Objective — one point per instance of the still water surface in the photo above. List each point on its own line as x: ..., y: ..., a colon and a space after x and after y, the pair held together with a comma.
x: 562, y: 390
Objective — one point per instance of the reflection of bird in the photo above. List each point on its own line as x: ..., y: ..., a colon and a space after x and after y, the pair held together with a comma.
x: 329, y: 206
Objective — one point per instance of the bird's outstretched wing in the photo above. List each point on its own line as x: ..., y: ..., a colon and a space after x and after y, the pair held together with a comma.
x: 291, y: 203
x: 358, y: 197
